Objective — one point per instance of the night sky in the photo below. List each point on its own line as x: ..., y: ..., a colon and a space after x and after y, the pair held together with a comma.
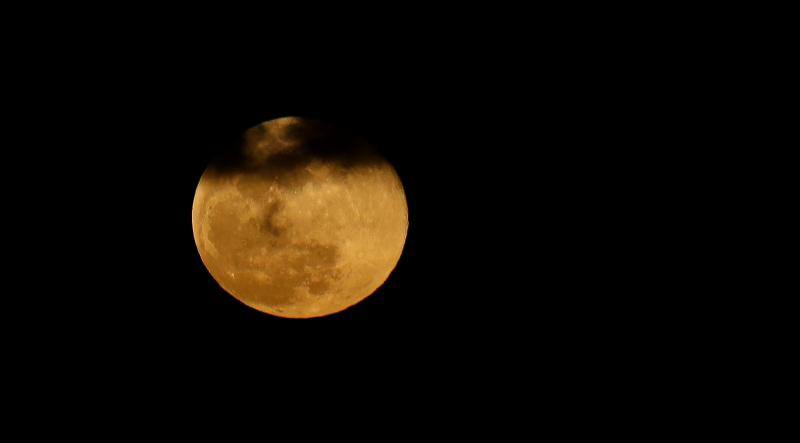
x: 509, y: 203
x: 577, y: 254
x: 531, y: 229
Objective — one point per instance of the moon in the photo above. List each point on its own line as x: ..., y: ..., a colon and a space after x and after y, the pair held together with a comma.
x: 302, y: 220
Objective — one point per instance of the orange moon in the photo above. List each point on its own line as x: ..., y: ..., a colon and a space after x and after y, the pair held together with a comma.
x: 303, y: 220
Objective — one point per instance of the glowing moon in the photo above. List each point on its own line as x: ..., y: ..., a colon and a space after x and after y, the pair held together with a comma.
x: 302, y: 221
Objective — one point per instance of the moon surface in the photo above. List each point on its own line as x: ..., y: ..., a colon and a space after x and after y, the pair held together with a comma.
x: 303, y: 220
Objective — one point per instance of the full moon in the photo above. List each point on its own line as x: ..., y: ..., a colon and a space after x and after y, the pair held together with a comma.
x: 303, y: 220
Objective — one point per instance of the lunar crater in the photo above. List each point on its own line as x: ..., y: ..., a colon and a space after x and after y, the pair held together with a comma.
x: 271, y: 223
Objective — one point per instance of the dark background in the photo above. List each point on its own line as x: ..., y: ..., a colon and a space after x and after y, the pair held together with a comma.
x: 511, y: 165
x: 464, y: 200
x: 505, y: 167
x: 516, y: 213
x: 532, y: 160
x: 576, y: 182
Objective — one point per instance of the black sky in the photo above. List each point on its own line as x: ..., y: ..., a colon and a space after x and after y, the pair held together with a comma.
x: 577, y: 182
x: 511, y: 190
x: 528, y: 165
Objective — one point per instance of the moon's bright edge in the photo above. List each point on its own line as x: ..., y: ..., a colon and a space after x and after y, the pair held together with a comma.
x: 300, y: 222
